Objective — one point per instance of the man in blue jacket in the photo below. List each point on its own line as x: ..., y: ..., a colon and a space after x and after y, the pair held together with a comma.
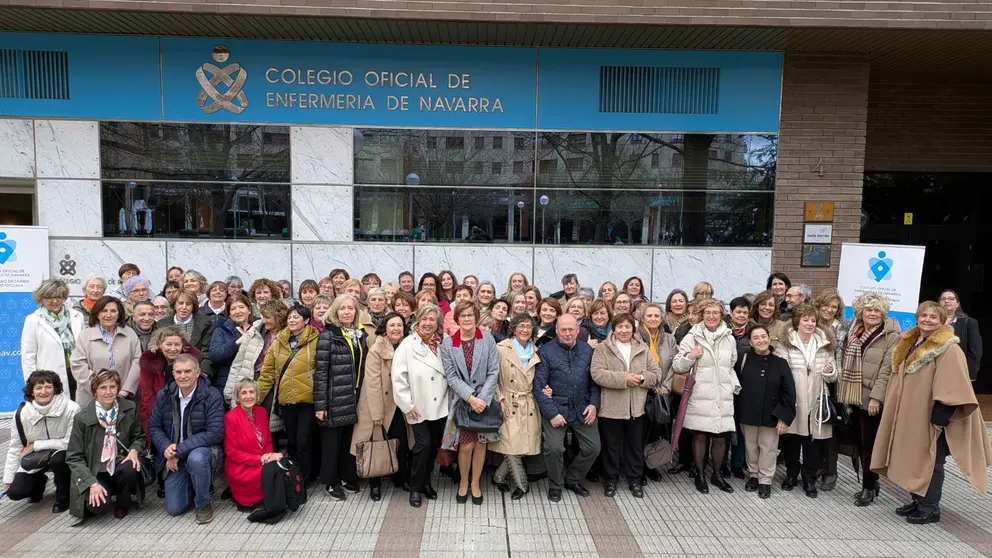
x: 187, y: 431
x: 574, y: 399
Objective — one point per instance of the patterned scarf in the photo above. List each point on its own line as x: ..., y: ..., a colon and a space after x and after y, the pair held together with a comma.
x: 850, y: 380
x: 60, y: 323
x: 108, y: 420
x: 108, y: 338
x: 673, y: 322
x: 432, y: 341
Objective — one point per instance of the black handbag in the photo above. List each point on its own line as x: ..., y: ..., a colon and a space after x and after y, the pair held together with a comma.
x: 271, y: 401
x: 832, y: 411
x: 39, y: 459
x: 658, y: 409
x: 489, y: 420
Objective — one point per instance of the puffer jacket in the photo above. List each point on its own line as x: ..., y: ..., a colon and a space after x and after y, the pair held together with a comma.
x: 156, y: 373
x: 609, y: 371
x: 566, y: 370
x: 243, y: 365
x: 810, y: 380
x: 339, y: 375
x: 711, y: 406
x: 296, y: 384
x: 876, y: 360
x: 202, y: 423
x: 48, y: 428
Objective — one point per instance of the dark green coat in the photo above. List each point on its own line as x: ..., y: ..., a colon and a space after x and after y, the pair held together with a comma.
x: 86, y: 446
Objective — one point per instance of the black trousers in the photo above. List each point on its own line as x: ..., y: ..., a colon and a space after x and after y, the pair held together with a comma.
x: 300, y: 421
x: 930, y: 502
x: 792, y: 445
x: 397, y: 430
x: 337, y: 465
x: 865, y: 428
x: 622, y: 445
x: 427, y: 437
x: 120, y: 487
x: 32, y: 485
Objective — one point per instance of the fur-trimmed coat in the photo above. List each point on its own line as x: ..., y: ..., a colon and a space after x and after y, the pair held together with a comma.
x: 906, y: 444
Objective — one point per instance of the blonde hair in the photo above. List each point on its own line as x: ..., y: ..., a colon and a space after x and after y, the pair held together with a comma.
x: 704, y: 304
x: 199, y: 277
x: 870, y: 301
x: 332, y: 314
x: 702, y: 287
x: 931, y: 305
x: 577, y: 300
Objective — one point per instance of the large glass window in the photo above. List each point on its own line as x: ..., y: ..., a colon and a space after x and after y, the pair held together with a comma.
x: 565, y: 187
x: 195, y: 180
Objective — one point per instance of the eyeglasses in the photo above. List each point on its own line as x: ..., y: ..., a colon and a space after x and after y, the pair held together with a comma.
x: 525, y: 326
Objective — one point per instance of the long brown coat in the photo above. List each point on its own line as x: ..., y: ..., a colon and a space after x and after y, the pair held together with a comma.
x: 906, y: 444
x: 521, y: 431
x: 608, y: 369
x: 375, y: 402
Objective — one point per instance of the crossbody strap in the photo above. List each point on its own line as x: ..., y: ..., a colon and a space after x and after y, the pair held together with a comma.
x: 20, y: 425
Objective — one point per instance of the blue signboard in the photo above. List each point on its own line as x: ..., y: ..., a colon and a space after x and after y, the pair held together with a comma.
x: 660, y: 90
x: 343, y: 83
x: 80, y: 76
x: 285, y: 82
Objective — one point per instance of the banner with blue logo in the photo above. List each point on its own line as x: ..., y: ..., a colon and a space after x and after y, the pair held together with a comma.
x: 23, y: 265
x: 892, y: 270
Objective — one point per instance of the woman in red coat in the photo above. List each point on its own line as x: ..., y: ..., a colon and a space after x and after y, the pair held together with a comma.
x: 247, y: 445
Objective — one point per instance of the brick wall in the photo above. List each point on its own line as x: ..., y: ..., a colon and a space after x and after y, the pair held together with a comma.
x: 932, y: 127
x: 824, y: 108
x: 934, y: 14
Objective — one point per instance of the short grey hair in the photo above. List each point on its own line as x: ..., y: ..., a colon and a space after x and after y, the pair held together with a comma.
x: 51, y: 288
x: 804, y: 291
x: 242, y: 384
x: 234, y: 279
x: 199, y: 277
x: 376, y: 291
x: 95, y: 277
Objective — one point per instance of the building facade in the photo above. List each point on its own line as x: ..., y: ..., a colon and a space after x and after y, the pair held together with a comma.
x: 676, y: 141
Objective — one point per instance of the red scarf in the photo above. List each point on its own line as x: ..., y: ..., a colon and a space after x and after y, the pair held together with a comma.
x: 432, y: 341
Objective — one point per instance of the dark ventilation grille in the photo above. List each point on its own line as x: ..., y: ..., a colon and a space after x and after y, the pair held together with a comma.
x: 659, y: 90
x: 34, y: 74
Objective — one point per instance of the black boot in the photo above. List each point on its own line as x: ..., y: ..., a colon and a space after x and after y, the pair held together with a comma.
x: 789, y: 483
x: 701, y: 484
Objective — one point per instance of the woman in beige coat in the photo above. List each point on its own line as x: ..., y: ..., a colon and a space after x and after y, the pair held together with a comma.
x: 93, y: 352
x: 378, y: 416
x: 865, y: 366
x: 624, y: 369
x: 809, y: 351
x: 520, y: 433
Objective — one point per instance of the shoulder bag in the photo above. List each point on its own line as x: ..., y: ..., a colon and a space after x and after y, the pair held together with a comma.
x: 39, y: 459
x: 270, y: 403
x: 831, y: 411
x: 377, y: 458
x: 658, y: 408
x: 489, y: 420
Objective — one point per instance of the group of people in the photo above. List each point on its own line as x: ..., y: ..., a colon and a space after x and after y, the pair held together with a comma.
x: 210, y: 378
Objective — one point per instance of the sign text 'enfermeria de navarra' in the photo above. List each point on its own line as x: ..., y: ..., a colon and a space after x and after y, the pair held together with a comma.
x: 372, y: 78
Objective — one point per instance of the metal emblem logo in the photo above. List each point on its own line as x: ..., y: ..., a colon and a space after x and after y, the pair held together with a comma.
x: 231, y: 76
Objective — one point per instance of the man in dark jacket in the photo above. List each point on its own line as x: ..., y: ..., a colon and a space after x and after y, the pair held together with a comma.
x: 187, y: 431
x: 564, y: 367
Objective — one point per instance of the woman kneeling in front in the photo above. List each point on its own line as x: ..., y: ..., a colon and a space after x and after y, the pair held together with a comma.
x: 247, y: 445
x: 41, y: 426
x: 103, y: 451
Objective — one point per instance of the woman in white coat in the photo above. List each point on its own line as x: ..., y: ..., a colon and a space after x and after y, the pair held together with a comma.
x: 420, y: 390
x: 709, y: 352
x: 809, y: 351
x: 49, y: 334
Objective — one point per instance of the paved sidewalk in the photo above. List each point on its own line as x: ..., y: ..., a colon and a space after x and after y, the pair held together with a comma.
x: 672, y: 520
